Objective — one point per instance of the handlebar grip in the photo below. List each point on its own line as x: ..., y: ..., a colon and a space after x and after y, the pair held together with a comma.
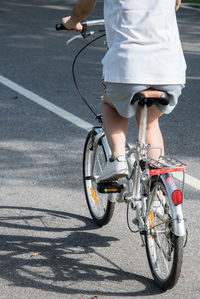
x: 60, y: 27
x: 83, y: 32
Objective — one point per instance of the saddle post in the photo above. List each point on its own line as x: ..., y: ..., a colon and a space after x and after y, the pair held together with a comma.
x: 143, y: 124
x: 139, y: 151
x: 147, y: 98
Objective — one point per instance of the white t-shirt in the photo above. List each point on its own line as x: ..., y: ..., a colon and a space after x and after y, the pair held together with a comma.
x: 143, y: 41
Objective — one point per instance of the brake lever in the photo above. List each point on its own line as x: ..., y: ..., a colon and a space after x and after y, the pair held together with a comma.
x: 83, y: 34
x: 73, y: 38
x: 77, y: 37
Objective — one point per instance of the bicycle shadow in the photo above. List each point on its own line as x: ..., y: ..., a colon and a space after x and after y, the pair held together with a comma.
x: 61, y: 264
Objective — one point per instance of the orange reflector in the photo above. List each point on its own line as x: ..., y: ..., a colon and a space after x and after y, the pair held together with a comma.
x: 111, y: 190
x: 94, y: 195
x: 177, y: 197
x: 151, y: 219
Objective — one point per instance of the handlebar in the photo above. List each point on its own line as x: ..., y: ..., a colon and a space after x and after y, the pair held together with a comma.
x: 60, y: 27
x: 84, y: 33
x: 83, y: 23
x: 93, y: 22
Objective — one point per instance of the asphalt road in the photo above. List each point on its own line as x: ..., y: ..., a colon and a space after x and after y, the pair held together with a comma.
x: 49, y: 247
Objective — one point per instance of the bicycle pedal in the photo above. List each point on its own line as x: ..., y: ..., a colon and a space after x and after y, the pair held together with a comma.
x: 142, y: 232
x: 109, y: 187
x: 135, y: 221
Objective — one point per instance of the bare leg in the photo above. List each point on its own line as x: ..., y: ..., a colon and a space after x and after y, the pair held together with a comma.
x: 115, y: 128
x: 153, y: 133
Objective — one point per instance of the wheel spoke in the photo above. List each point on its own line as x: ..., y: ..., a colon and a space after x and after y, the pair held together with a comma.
x: 99, y: 205
x: 164, y: 255
x: 164, y: 249
x: 99, y: 164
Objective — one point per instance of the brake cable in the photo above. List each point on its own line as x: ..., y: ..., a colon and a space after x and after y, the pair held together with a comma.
x: 73, y: 70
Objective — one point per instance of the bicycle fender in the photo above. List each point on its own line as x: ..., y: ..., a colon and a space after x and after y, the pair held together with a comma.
x: 177, y: 211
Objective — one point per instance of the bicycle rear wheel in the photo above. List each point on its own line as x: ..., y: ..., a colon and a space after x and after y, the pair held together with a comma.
x: 164, y: 249
x: 94, y: 160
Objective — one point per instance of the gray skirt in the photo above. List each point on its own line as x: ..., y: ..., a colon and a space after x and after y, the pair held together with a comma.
x: 121, y: 94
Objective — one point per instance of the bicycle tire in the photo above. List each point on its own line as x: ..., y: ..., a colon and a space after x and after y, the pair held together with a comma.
x: 100, y: 206
x: 170, y: 253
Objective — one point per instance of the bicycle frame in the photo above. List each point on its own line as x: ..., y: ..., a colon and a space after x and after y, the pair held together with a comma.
x: 177, y: 211
x: 136, y: 176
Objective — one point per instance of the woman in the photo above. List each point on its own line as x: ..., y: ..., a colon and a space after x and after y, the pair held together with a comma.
x: 144, y: 52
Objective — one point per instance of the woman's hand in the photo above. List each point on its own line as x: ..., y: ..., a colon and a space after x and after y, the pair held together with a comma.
x: 178, y: 4
x: 71, y: 24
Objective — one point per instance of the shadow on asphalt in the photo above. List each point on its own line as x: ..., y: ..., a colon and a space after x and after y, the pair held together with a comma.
x: 60, y: 263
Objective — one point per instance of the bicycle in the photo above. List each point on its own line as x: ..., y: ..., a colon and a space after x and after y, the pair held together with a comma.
x: 149, y: 190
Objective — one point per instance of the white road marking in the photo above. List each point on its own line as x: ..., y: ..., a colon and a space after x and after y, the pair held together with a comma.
x: 189, y: 180
x: 46, y: 104
x: 191, y: 53
x: 193, y: 77
x: 193, y: 182
x: 188, y: 6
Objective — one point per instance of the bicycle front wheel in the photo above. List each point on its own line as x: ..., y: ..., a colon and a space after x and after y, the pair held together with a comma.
x: 94, y: 160
x: 164, y: 249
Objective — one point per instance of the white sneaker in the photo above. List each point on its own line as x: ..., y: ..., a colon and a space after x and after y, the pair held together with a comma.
x: 114, y: 169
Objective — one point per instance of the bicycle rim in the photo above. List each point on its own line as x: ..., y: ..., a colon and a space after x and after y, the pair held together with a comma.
x: 164, y: 249
x: 100, y: 206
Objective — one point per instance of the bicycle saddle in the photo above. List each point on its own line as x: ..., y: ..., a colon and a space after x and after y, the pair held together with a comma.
x: 150, y: 96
